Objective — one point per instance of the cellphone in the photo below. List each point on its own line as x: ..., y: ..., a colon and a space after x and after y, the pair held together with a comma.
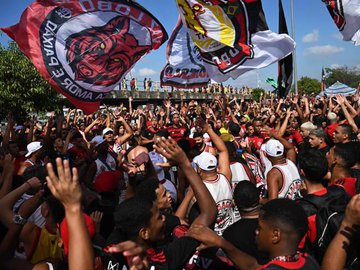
x: 141, y: 159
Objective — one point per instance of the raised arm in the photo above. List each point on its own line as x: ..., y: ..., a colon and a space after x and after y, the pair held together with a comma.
x: 66, y: 188
x: 175, y: 155
x: 224, y: 162
x: 341, y: 101
x: 209, y: 238
x: 128, y: 129
x: 7, y: 202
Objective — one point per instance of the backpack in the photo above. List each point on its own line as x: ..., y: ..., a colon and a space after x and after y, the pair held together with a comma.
x: 330, y: 211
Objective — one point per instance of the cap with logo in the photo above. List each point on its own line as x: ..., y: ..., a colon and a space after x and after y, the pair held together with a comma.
x: 206, y: 161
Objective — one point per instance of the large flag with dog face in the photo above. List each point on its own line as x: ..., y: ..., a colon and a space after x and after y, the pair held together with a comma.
x: 346, y: 15
x: 233, y: 36
x: 83, y: 48
x: 185, y: 67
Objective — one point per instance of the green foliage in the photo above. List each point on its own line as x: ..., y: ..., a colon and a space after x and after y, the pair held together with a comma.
x: 256, y: 92
x: 308, y: 85
x: 22, y: 88
x: 348, y: 76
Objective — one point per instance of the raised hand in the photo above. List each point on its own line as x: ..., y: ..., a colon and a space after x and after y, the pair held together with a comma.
x: 340, y: 99
x: 135, y: 253
x: 97, y: 217
x: 202, y: 123
x: 171, y: 150
x: 64, y: 186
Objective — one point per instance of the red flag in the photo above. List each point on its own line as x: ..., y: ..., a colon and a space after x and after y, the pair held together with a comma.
x: 83, y: 48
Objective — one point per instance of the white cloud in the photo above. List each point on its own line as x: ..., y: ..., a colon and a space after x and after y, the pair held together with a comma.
x: 311, y: 37
x: 147, y: 72
x: 323, y: 50
x: 335, y: 66
x: 337, y: 36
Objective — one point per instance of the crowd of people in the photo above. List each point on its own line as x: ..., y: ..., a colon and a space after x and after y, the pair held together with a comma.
x: 148, y: 85
x: 225, y: 184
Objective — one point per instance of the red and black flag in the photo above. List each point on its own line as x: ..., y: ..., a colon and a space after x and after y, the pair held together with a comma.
x: 83, y: 48
x: 233, y: 36
x: 285, y: 66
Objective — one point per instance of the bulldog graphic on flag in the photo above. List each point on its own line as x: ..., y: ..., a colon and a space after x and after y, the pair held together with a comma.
x: 83, y: 48
x: 229, y: 54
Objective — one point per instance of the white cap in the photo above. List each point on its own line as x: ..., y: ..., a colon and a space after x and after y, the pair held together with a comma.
x: 206, y: 161
x: 155, y: 158
x: 331, y: 116
x: 97, y: 140
x: 106, y: 130
x: 274, y: 148
x: 33, y: 147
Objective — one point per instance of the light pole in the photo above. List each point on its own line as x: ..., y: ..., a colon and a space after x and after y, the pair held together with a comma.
x: 293, y: 37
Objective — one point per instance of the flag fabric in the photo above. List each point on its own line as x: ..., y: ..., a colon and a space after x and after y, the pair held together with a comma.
x: 346, y: 15
x: 254, y: 45
x: 285, y: 66
x: 323, y: 80
x: 272, y: 82
x: 184, y: 67
x: 83, y: 48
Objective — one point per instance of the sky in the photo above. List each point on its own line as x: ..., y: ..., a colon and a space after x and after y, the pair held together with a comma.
x: 318, y: 41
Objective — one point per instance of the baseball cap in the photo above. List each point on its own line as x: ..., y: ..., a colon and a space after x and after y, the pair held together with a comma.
x: 97, y: 140
x: 33, y: 147
x: 274, y: 148
x: 331, y: 116
x: 107, y: 181
x: 107, y: 130
x: 206, y: 161
x: 90, y: 225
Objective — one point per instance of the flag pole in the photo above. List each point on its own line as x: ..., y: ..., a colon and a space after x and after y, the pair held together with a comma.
x: 294, y: 53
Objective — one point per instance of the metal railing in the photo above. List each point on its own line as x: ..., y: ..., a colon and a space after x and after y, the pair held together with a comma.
x: 187, y: 95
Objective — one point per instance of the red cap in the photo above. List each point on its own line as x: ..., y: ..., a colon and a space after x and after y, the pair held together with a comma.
x: 107, y: 181
x: 90, y: 225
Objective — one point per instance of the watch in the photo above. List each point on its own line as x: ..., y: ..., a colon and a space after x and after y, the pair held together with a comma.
x: 19, y: 220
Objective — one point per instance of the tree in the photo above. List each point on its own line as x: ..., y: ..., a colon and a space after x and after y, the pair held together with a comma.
x: 256, y: 92
x: 307, y: 85
x: 22, y: 88
x: 348, y: 76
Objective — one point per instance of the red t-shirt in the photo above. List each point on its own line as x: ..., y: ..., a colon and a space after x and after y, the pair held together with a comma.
x: 348, y: 183
x: 257, y: 141
x: 295, y: 139
x: 177, y: 133
x: 330, y: 129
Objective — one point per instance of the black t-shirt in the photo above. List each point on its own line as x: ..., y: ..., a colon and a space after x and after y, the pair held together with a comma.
x: 305, y: 262
x: 242, y: 235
